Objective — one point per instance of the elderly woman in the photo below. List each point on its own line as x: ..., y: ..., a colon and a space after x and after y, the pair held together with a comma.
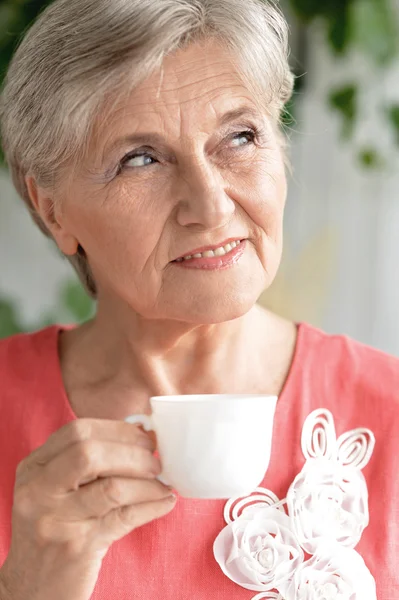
x: 144, y: 138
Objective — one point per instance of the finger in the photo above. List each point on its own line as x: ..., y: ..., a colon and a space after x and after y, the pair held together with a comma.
x: 92, y: 459
x: 100, y: 497
x: 123, y: 520
x: 81, y: 430
x: 151, y: 435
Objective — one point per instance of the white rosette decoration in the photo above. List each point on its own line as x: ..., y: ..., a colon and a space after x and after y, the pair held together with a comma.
x: 328, y: 500
x: 258, y: 550
x: 261, y: 548
x: 268, y: 596
x: 338, y: 575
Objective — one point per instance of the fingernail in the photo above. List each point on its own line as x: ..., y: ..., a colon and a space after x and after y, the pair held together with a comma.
x: 171, y: 498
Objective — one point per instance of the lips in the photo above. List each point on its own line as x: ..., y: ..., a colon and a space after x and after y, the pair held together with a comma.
x: 214, y: 260
x: 211, y: 251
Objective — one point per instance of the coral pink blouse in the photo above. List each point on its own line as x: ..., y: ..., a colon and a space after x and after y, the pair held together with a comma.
x: 172, y: 558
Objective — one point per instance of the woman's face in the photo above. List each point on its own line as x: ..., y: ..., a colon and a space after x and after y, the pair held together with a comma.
x: 170, y: 173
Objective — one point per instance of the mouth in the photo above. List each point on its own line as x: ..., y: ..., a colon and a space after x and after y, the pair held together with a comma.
x: 211, y: 251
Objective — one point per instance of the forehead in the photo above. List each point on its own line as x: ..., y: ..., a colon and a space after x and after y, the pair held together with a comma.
x: 201, y: 68
x: 200, y: 80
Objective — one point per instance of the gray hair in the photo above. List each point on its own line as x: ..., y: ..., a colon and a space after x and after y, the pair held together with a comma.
x: 78, y: 52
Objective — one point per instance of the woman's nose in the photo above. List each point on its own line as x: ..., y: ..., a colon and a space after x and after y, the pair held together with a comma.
x: 202, y: 199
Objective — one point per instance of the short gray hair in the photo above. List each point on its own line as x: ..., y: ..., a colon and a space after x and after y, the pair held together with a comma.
x: 79, y: 51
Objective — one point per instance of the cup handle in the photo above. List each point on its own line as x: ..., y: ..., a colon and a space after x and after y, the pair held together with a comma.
x: 143, y: 420
x: 148, y: 425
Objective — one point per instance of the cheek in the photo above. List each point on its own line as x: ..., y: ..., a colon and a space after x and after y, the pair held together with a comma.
x: 117, y: 225
x: 266, y: 189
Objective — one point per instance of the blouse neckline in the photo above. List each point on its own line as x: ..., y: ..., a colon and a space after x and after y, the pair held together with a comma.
x: 283, y: 399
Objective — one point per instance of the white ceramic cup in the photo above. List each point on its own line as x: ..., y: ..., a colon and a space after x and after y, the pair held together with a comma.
x: 212, y: 446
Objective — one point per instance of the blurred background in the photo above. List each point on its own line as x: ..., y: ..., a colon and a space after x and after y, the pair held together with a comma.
x: 339, y: 270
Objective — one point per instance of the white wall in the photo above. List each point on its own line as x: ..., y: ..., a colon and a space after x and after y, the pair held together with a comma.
x: 359, y: 209
x: 31, y: 270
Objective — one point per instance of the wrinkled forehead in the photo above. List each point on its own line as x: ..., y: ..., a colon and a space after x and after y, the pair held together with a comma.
x: 193, y: 89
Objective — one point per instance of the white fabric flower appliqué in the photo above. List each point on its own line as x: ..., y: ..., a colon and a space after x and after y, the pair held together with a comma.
x: 325, y: 512
x: 328, y: 500
x: 260, y: 551
x: 342, y: 575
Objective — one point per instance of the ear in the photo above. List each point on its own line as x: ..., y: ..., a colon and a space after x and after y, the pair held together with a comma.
x: 43, y: 203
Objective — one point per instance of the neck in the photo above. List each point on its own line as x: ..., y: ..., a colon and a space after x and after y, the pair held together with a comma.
x: 167, y: 356
x: 115, y: 363
x: 138, y: 358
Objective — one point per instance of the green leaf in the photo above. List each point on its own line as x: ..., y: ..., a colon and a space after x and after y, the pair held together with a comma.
x: 7, y: 17
x: 371, y: 159
x: 308, y: 9
x: 77, y: 301
x: 339, y: 31
x: 393, y: 116
x: 375, y: 29
x: 9, y: 324
x: 335, y: 14
x: 344, y: 100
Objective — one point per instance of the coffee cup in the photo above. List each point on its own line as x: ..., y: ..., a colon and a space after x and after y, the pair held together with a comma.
x: 213, y: 445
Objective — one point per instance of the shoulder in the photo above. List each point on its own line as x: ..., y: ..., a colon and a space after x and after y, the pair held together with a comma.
x: 337, y: 343
x: 359, y: 385
x: 21, y: 354
x: 24, y: 344
x: 345, y: 366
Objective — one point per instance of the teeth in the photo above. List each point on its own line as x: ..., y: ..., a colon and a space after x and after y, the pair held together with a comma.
x: 211, y: 253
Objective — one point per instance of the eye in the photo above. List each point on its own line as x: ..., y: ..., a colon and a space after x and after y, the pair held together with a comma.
x: 135, y: 160
x: 141, y: 159
x: 248, y: 134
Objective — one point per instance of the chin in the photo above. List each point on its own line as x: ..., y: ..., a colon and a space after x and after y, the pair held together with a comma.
x: 223, y: 299
x: 213, y: 310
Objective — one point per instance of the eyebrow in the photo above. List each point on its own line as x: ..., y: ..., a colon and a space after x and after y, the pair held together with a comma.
x: 155, y: 138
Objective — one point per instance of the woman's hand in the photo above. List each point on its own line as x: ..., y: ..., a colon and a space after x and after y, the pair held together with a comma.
x: 90, y: 484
